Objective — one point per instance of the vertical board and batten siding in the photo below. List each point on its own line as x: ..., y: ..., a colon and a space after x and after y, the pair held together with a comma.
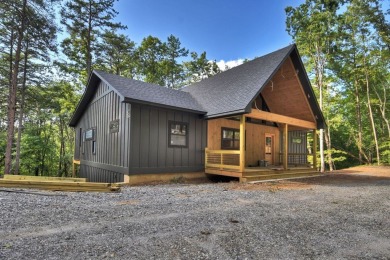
x: 150, y: 151
x: 109, y: 163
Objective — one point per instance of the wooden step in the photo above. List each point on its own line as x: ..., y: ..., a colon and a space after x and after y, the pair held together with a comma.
x: 270, y: 172
x: 60, y: 185
x: 280, y: 176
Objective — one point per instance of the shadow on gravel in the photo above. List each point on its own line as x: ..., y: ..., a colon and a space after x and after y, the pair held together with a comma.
x: 220, y: 178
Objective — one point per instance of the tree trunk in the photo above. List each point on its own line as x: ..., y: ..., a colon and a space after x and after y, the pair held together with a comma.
x: 62, y: 149
x: 21, y: 112
x: 319, y: 76
x: 12, y: 93
x: 329, y: 148
x: 89, y: 55
x: 359, y: 122
x: 382, y: 108
x: 370, y: 111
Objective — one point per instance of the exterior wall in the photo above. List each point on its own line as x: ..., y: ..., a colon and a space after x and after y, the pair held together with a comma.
x: 150, y: 152
x: 255, y: 139
x: 110, y: 161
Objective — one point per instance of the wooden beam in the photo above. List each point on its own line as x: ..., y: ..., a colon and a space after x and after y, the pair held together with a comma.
x: 314, y: 149
x: 242, y: 143
x: 285, y: 146
x: 272, y: 117
x: 43, y: 178
x: 60, y: 186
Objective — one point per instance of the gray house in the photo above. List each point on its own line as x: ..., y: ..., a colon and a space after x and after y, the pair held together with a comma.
x: 248, y: 121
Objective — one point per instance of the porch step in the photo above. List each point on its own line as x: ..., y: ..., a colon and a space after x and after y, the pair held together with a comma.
x: 279, y: 176
x: 276, y: 171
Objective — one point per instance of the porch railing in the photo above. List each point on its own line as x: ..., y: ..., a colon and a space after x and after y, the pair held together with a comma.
x: 223, y: 159
x: 298, y: 158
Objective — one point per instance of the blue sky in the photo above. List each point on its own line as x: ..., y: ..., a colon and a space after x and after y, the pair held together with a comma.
x: 225, y: 29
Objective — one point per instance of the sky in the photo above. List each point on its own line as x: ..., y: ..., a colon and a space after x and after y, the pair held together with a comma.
x: 227, y: 30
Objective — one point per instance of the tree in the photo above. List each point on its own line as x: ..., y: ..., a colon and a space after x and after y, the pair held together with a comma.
x: 117, y: 54
x: 200, y: 67
x: 150, y: 55
x: 173, y: 71
x: 311, y: 27
x: 85, y: 21
x: 20, y: 20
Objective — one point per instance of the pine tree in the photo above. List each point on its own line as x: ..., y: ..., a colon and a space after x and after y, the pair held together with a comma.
x: 85, y: 22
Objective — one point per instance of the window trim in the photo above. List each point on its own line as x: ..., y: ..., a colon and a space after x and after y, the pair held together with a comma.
x: 170, y: 123
x: 234, y: 131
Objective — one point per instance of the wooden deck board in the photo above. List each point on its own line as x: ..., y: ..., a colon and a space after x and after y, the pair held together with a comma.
x: 42, y: 178
x: 59, y: 185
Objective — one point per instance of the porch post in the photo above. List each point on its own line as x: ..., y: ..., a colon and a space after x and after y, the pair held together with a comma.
x: 314, y: 149
x: 285, y: 151
x: 242, y: 143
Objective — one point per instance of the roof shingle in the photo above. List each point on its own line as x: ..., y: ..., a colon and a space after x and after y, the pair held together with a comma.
x: 231, y: 91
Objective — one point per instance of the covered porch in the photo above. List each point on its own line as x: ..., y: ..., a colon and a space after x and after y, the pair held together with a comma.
x: 263, y: 150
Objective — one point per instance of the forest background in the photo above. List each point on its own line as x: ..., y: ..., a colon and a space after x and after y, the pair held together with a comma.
x: 345, y: 46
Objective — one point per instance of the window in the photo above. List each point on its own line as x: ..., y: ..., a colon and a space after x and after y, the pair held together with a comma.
x: 178, y: 134
x: 93, y: 147
x: 114, y: 126
x: 89, y: 135
x: 230, y: 139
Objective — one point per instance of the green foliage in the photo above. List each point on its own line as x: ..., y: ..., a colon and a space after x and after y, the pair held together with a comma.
x: 85, y: 21
x: 200, y: 67
x: 117, y: 54
x: 345, y: 48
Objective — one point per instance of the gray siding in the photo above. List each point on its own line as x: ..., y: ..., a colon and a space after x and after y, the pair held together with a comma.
x: 150, y: 152
x: 111, y: 149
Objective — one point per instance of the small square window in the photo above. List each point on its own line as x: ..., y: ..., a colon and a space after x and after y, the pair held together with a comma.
x: 230, y: 139
x: 89, y: 135
x: 178, y: 134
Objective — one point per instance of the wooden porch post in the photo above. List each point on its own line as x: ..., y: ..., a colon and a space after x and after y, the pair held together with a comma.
x: 285, y: 151
x: 314, y: 149
x: 242, y: 143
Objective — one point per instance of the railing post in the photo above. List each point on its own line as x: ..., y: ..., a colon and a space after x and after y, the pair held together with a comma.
x: 242, y: 143
x: 221, y: 161
x: 205, y: 157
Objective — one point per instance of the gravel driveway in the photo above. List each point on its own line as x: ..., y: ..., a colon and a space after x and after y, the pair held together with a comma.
x: 329, y: 217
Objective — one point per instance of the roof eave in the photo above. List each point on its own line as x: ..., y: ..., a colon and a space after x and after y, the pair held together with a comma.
x: 87, y: 95
x: 132, y: 100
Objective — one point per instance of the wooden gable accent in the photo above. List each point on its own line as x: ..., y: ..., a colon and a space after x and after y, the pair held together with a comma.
x: 284, y: 94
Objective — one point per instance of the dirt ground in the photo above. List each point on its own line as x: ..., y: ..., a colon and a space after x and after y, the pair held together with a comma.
x: 359, y: 174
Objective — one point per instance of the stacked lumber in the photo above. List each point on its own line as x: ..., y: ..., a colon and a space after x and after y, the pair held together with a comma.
x: 56, y: 183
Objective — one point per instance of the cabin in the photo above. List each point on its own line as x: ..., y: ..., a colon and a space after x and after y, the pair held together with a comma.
x: 254, y: 121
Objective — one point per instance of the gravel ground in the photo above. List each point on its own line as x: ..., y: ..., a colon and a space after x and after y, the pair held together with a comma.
x: 329, y: 217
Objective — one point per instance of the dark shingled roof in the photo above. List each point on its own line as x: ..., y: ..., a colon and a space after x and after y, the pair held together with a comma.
x: 227, y: 93
x: 139, y: 91
x: 230, y: 92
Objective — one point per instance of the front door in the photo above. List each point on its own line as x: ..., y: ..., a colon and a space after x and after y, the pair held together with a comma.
x: 269, y: 149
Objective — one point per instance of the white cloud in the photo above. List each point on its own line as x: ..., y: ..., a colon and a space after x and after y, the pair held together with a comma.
x: 230, y: 64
